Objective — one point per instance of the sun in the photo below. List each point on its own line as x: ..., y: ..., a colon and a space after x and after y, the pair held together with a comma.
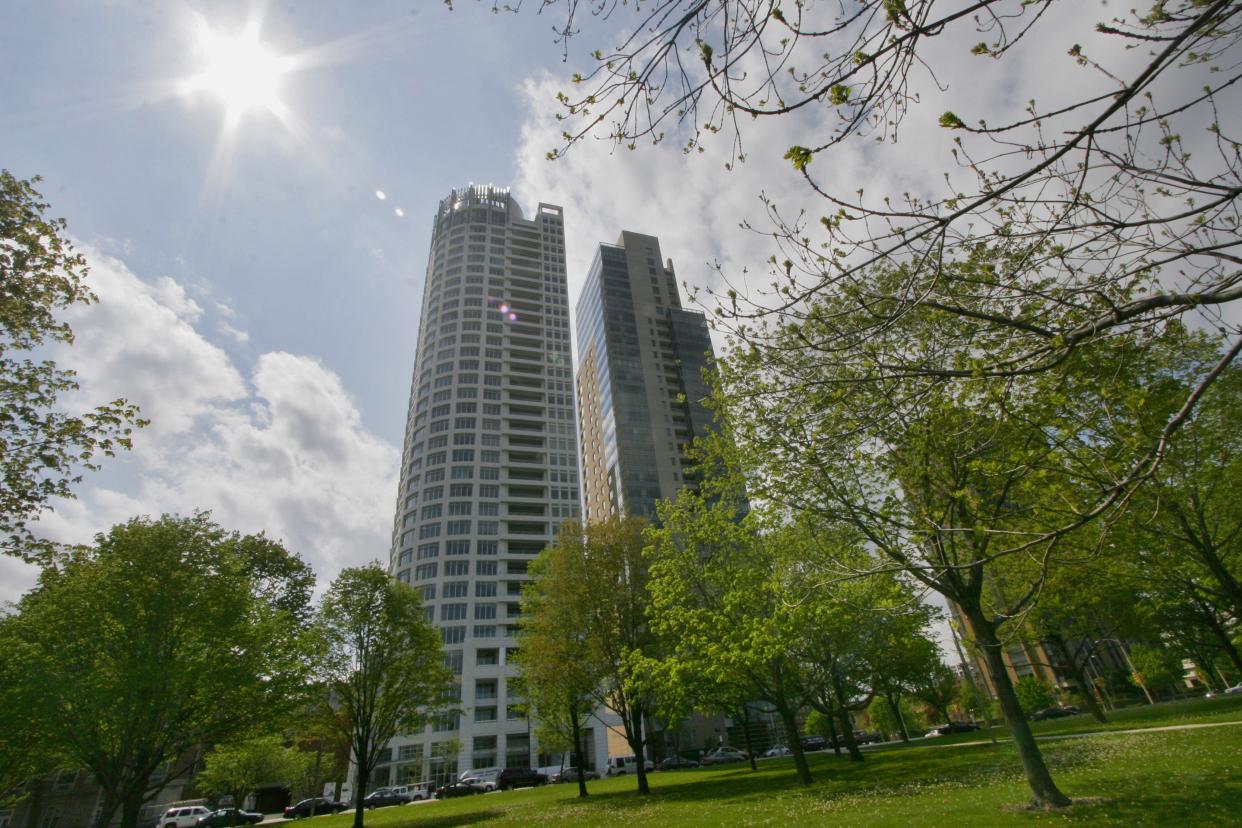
x: 240, y: 71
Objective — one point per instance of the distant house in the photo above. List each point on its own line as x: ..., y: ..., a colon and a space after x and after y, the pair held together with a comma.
x: 71, y: 799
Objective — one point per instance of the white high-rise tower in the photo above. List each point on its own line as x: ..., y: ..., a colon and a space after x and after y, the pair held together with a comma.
x: 489, y: 463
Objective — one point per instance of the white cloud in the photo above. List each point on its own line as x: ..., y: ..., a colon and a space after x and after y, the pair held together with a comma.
x: 173, y: 296
x: 282, y: 450
x: 236, y: 334
x: 139, y: 342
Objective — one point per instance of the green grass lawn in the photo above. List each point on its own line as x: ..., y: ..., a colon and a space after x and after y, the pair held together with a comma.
x: 1172, y: 778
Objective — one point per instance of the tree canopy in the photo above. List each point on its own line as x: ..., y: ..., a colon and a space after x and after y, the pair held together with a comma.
x: 43, y: 448
x: 559, y: 661
x: 236, y: 770
x: 164, y: 636
x: 383, y: 665
x: 590, y: 595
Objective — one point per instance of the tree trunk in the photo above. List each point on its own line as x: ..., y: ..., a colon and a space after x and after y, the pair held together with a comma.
x: 847, y: 734
x: 1044, y: 792
x: 636, y: 744
x: 131, y: 807
x: 575, y: 725
x: 1222, y: 637
x: 750, y: 750
x: 1088, y: 695
x: 1201, y: 542
x: 35, y: 811
x: 795, y: 744
x: 315, y: 786
x: 361, y: 775
x: 832, y: 733
x: 106, y: 809
x: 895, y: 708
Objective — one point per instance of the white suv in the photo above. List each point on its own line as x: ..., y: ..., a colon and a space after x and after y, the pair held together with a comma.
x: 421, y: 790
x: 185, y: 817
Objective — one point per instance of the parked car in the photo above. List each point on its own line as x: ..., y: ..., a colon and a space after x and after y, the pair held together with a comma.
x: 951, y: 727
x: 868, y: 737
x: 383, y: 797
x: 618, y: 765
x: 415, y: 792
x: 677, y: 763
x: 1228, y: 691
x: 813, y: 742
x: 777, y: 750
x: 186, y: 816
x: 222, y: 817
x: 723, y: 755
x: 570, y: 775
x: 457, y: 789
x: 323, y: 805
x: 483, y: 780
x: 1054, y: 713
x: 511, y: 778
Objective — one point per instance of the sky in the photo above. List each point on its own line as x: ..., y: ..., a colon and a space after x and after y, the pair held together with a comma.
x: 259, y: 299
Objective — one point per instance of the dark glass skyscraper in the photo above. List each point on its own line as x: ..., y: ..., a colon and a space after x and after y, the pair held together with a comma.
x: 640, y: 380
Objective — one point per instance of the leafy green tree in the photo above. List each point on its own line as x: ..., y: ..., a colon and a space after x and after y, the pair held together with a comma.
x: 1033, y: 694
x: 165, y: 635
x: 593, y: 587
x: 383, y: 665
x: 322, y: 733
x: 718, y: 586
x: 1075, y: 605
x: 237, y: 770
x: 557, y: 658
x: 42, y: 447
x: 937, y: 687
x: 894, y: 719
x: 946, y: 479
x: 1192, y: 626
x: 24, y: 754
x: 1190, y: 515
x: 1155, y: 668
x: 820, y: 725
x: 859, y: 637
x: 906, y: 657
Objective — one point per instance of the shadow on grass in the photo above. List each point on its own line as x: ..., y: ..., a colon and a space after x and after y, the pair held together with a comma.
x: 1190, y: 799
x: 832, y: 776
x: 448, y: 821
